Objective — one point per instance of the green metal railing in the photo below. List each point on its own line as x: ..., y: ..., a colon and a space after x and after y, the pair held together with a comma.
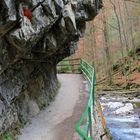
x: 85, y: 125
x: 69, y: 66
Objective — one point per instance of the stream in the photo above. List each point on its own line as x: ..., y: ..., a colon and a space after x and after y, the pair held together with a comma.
x: 122, y: 115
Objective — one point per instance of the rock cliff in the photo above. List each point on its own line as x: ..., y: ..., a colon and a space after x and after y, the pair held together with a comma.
x: 34, y: 36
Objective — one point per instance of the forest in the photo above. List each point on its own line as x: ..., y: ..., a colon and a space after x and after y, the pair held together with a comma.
x: 112, y: 43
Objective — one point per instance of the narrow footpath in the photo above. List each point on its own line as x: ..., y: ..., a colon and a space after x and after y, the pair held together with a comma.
x: 57, y: 121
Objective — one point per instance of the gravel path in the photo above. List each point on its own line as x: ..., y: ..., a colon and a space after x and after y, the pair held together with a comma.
x: 57, y: 122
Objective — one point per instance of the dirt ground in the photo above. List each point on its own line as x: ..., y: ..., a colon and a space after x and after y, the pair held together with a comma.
x: 57, y: 122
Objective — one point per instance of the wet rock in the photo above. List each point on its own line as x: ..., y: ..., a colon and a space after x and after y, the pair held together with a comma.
x: 69, y: 19
x: 128, y: 107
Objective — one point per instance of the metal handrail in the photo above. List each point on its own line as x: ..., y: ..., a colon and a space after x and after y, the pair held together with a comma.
x: 87, y: 132
x: 72, y: 64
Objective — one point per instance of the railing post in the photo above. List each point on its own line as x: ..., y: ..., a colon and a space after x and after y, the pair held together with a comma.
x: 93, y: 80
x: 86, y: 69
x: 81, y: 64
x: 90, y: 122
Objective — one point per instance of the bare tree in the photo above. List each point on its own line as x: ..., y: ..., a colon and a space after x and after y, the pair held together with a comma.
x: 106, y: 49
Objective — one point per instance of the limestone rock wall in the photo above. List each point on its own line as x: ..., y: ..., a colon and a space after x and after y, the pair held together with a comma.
x: 34, y: 36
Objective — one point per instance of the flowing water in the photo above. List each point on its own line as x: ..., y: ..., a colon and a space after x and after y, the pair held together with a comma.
x: 122, y: 116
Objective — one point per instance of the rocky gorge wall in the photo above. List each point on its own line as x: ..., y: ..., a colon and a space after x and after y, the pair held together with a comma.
x: 34, y: 36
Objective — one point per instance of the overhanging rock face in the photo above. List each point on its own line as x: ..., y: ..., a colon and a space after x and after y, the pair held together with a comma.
x: 34, y: 36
